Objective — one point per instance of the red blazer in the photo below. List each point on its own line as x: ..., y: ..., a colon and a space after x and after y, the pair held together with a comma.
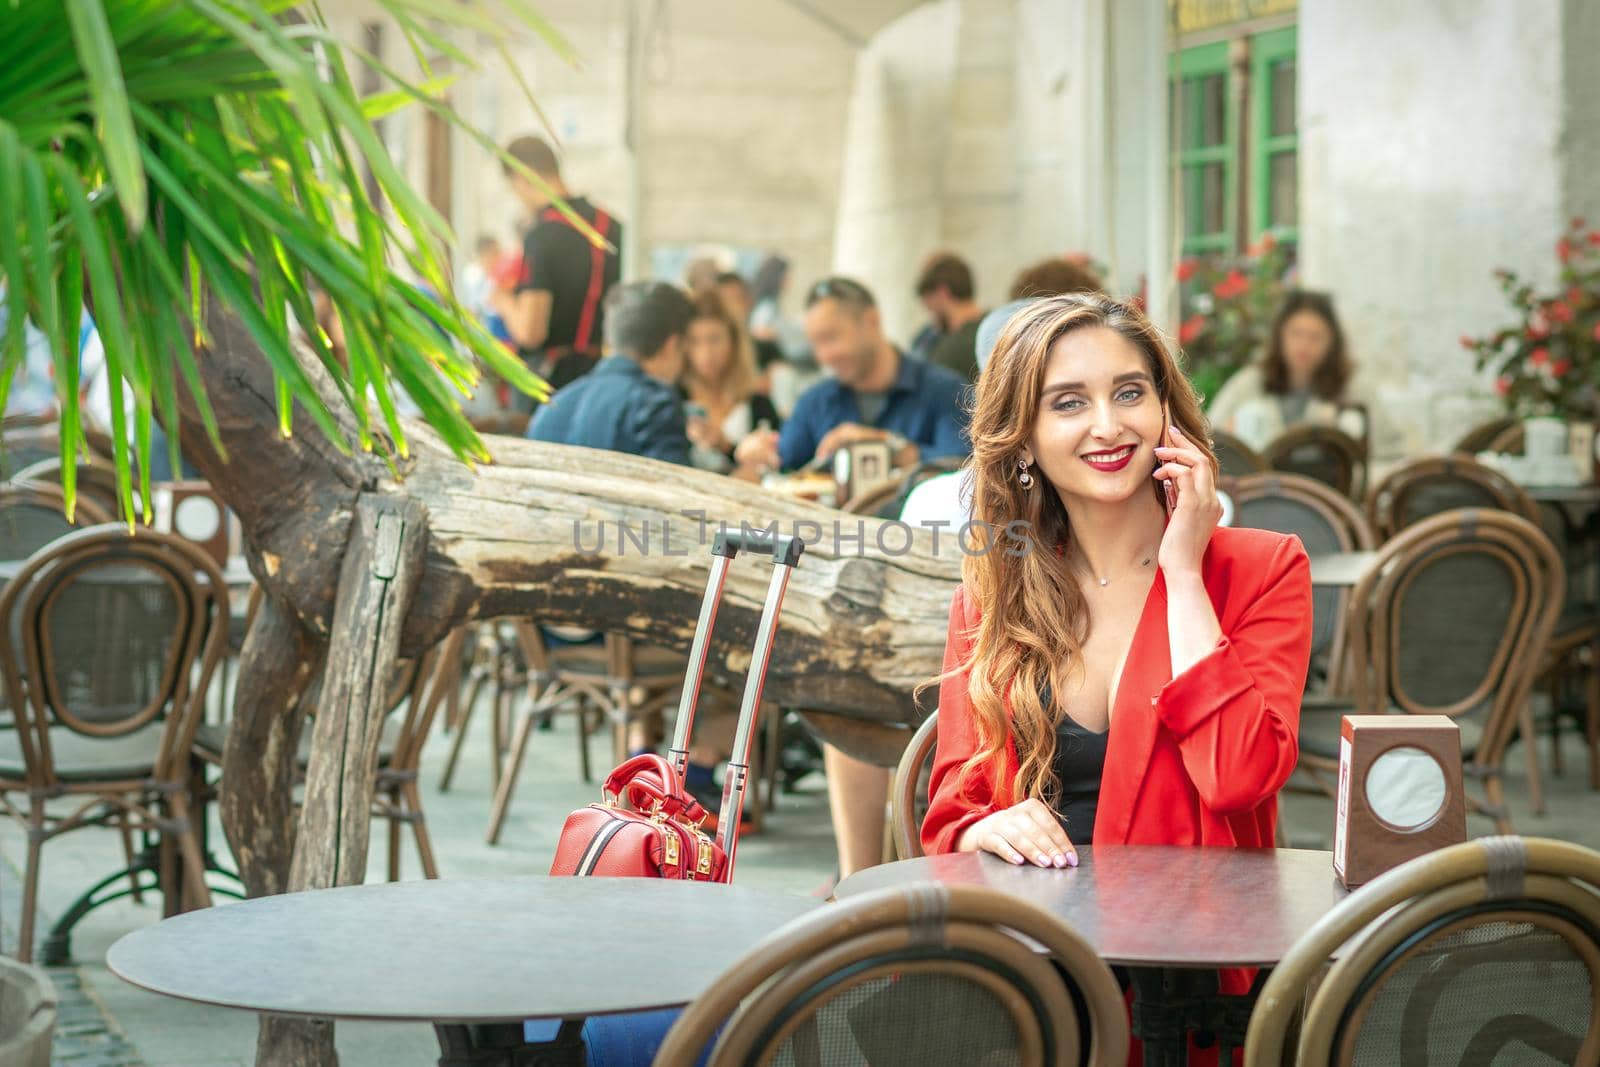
x: 1193, y: 760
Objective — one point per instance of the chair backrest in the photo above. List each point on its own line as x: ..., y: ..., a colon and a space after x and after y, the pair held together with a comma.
x: 1452, y: 620
x: 1322, y: 453
x: 117, y: 632
x: 909, y: 802
x: 1483, y: 952
x: 1481, y: 438
x: 1236, y: 459
x: 22, y: 446
x: 32, y: 516
x: 1323, y: 519
x: 925, y: 975
x: 1431, y: 484
x: 1511, y: 441
x: 421, y: 685
x: 96, y: 481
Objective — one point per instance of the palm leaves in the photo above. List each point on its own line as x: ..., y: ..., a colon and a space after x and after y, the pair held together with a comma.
x: 150, y: 149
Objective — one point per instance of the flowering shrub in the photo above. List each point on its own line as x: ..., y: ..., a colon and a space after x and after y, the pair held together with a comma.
x: 1227, y: 310
x: 1548, y: 361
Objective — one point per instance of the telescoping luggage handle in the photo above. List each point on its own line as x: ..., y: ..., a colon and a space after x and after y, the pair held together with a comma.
x: 786, y: 552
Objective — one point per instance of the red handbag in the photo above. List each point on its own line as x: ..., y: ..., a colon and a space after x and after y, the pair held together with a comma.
x: 647, y: 825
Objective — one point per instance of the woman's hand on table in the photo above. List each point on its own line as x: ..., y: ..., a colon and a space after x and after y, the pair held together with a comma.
x: 1028, y: 832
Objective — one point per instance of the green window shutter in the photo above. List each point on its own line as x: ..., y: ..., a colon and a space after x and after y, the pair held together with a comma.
x: 1207, y: 147
x: 1274, y: 136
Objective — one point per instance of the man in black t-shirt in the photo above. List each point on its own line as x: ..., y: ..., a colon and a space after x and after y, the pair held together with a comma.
x: 556, y: 310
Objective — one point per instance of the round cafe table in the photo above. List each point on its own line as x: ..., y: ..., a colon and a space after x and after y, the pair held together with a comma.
x: 460, y: 954
x: 1171, y: 914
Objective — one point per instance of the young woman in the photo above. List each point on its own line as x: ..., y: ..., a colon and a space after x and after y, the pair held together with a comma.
x: 719, y: 387
x: 1134, y: 676
x: 1301, y: 378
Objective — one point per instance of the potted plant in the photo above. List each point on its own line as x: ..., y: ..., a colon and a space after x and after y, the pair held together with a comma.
x: 1227, y: 310
x: 1546, y: 362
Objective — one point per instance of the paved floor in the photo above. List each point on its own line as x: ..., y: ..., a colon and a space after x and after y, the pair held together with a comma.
x: 107, y: 1023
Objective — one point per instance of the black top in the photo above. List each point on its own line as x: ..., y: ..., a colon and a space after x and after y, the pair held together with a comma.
x: 559, y: 260
x: 1080, y: 759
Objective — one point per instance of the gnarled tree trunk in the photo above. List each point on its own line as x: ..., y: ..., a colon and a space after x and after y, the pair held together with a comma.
x: 569, y: 535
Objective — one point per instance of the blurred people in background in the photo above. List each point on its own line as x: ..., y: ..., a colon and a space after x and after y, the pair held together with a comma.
x: 1056, y: 276
x: 946, y: 291
x: 630, y: 402
x: 477, y: 278
x: 722, y: 403
x: 556, y: 312
x: 767, y: 320
x: 873, y: 392
x: 701, y: 274
x: 1301, y: 378
x: 778, y: 378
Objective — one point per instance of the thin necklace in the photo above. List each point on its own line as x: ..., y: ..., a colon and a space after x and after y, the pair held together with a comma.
x: 1107, y: 581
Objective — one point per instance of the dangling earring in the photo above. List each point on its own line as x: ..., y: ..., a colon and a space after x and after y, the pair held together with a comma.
x: 1023, y: 477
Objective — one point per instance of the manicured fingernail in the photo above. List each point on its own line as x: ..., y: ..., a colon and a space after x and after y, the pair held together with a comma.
x: 1072, y: 859
x: 1044, y: 861
x: 1019, y: 861
x: 1061, y: 861
x: 1175, y: 430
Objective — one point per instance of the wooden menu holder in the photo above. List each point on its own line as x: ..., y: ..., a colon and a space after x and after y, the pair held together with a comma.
x: 1400, y: 792
x: 861, y: 467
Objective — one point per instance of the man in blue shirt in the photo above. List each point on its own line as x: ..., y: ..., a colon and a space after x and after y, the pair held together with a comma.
x: 629, y: 402
x: 874, y: 392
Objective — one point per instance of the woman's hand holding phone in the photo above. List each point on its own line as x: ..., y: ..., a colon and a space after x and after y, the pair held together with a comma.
x: 1192, y: 504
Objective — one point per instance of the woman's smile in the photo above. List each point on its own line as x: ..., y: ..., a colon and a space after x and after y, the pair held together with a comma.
x: 1112, y: 460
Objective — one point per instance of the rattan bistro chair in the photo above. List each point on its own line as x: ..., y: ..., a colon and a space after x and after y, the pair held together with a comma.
x: 1322, y: 453
x: 96, y: 480
x: 908, y: 797
x: 1431, y: 484
x: 1325, y: 522
x: 921, y: 976
x: 119, y: 636
x: 1453, y: 619
x: 31, y: 516
x: 1235, y: 459
x: 1487, y: 952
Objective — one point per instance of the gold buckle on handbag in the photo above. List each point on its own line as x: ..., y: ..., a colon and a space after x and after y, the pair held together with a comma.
x: 670, y: 846
x: 703, y: 864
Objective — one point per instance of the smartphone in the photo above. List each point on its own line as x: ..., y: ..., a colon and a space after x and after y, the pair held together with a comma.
x: 1168, y: 485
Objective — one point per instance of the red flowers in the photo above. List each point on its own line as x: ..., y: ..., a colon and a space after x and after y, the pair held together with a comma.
x: 1560, y: 367
x: 1539, y: 357
x: 1468, y: 343
x: 1186, y: 269
x: 1503, y: 386
x: 1559, y: 311
x: 1597, y: 331
x: 1564, y: 249
x: 1192, y: 327
x: 1233, y: 285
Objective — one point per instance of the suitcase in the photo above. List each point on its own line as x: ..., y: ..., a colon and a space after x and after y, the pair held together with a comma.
x: 647, y: 825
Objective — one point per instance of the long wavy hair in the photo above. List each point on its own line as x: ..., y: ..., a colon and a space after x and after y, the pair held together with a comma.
x: 739, y: 376
x: 1333, y: 374
x: 1034, y: 617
